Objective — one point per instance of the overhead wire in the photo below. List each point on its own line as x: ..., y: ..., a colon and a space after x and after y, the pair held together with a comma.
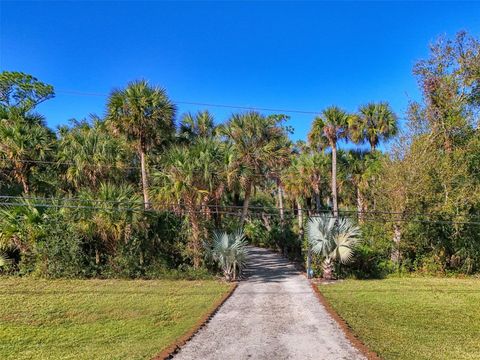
x: 223, y: 209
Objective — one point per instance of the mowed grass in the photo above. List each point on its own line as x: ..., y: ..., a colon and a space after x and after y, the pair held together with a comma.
x: 98, y: 319
x: 412, y: 318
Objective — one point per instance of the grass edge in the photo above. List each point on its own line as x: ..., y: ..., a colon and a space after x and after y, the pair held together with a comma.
x: 346, y: 329
x: 173, y: 348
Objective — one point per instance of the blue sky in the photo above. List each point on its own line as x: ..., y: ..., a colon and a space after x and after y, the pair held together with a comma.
x: 301, y: 56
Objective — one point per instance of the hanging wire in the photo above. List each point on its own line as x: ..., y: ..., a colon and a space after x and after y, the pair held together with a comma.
x: 350, y: 213
x: 203, y: 209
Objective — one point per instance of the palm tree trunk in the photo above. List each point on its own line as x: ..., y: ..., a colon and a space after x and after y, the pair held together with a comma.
x: 97, y: 256
x: 360, y: 206
x: 144, y: 180
x: 246, y: 201
x: 334, y: 180
x: 280, y: 201
x: 300, y: 217
x: 195, y: 244
x: 327, y: 269
x: 318, y: 201
x: 23, y: 179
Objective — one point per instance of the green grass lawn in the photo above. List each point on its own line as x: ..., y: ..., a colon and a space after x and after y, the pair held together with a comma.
x: 98, y: 319
x: 412, y: 318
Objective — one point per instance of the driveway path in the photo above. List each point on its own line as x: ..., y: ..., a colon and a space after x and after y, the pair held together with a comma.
x: 272, y: 315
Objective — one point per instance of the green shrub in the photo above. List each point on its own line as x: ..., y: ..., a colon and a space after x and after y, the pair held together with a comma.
x: 59, y: 253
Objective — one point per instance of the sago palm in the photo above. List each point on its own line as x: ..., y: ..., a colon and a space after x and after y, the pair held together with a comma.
x: 333, y: 239
x: 145, y: 115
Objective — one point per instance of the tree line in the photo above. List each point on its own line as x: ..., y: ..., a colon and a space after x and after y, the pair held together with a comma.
x: 135, y: 192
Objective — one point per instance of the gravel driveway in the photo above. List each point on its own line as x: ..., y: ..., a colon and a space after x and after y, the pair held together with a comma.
x: 272, y: 315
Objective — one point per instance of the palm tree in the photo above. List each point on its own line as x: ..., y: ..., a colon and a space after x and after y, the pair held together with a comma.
x: 327, y: 130
x: 145, y: 115
x: 192, y: 177
x: 229, y: 251
x: 259, y: 144
x: 4, y: 260
x: 333, y: 239
x: 21, y: 225
x: 199, y: 125
x: 108, y: 214
x: 373, y: 123
x: 362, y: 168
x: 91, y: 153
x: 24, y: 140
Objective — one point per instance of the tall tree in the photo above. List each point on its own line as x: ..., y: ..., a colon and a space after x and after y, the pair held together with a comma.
x: 259, y: 143
x: 91, y: 153
x: 326, y: 131
x: 193, y: 126
x: 192, y: 177
x: 24, y: 137
x: 24, y: 141
x: 373, y: 123
x: 145, y: 115
x: 20, y: 92
x: 450, y: 82
x: 108, y: 214
x: 362, y: 168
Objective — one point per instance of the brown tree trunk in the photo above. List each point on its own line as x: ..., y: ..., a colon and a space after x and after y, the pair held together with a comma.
x: 144, y: 179
x: 23, y: 180
x: 97, y: 256
x: 334, y: 180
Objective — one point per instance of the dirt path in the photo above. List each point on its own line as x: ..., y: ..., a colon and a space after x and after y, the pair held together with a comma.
x: 272, y: 315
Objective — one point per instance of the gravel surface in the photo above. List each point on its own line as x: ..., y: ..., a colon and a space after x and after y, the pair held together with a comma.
x: 274, y: 314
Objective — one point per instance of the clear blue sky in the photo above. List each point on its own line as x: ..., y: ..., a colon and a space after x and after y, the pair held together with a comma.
x: 302, y: 56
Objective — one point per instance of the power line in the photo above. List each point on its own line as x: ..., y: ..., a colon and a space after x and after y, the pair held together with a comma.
x: 218, y: 210
x: 228, y: 106
x: 260, y: 208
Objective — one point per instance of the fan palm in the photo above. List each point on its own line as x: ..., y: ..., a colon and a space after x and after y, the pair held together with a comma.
x: 21, y: 225
x: 91, y: 153
x: 192, y: 177
x: 229, y: 252
x: 373, y: 123
x: 334, y: 239
x: 4, y: 260
x: 200, y: 125
x: 145, y: 115
x: 259, y: 144
x: 326, y: 131
x: 108, y: 214
x: 23, y: 140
